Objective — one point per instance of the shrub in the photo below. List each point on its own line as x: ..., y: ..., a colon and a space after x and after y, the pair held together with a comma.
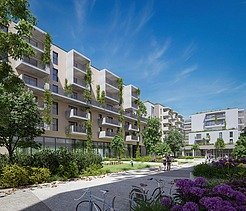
x: 14, y: 176
x: 94, y: 170
x: 46, y: 159
x: 212, y: 171
x: 84, y: 160
x: 23, y: 159
x: 3, y: 162
x: 70, y: 170
x: 38, y: 175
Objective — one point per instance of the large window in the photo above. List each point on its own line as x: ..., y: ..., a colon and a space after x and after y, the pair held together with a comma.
x: 55, y: 88
x: 55, y: 124
x: 55, y: 75
x: 30, y: 80
x: 55, y: 108
x: 55, y: 58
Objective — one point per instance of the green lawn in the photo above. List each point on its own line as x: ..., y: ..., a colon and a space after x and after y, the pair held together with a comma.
x: 124, y: 167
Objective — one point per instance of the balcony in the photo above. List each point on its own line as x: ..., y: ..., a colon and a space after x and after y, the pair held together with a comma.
x: 132, y: 138
x: 38, y: 45
x: 132, y: 115
x: 213, y: 117
x: 134, y: 95
x: 112, y: 83
x: 75, y: 114
x: 214, y: 124
x: 44, y: 126
x: 33, y: 66
x: 109, y: 122
x: 112, y: 97
x: 134, y: 106
x: 60, y: 93
x: 32, y: 83
x: 80, y: 67
x: 107, y: 134
x: 77, y: 130
x: 132, y: 127
x: 80, y: 84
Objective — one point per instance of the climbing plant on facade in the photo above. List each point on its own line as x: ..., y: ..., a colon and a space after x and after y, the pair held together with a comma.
x: 48, y: 101
x: 88, y: 81
x: 121, y: 118
x: 68, y: 89
x: 89, y: 145
x: 47, y: 48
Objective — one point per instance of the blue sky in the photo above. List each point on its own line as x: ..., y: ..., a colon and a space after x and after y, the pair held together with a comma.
x: 186, y: 54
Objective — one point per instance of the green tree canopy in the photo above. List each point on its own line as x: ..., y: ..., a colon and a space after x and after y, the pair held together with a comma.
x: 175, y: 140
x: 152, y: 134
x: 162, y: 149
x: 20, y: 120
x: 117, y: 144
x: 240, y: 148
x: 219, y: 144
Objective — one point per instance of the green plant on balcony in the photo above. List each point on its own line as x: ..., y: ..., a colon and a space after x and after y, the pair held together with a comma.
x: 48, y: 101
x: 98, y: 93
x: 47, y: 48
x: 89, y: 145
x: 120, y: 93
x: 88, y: 81
x: 68, y: 89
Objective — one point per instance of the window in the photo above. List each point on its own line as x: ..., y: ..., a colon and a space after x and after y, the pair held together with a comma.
x: 30, y: 80
x: 3, y: 28
x: 55, y: 124
x: 231, y: 141
x: 75, y: 95
x: 55, y: 88
x: 55, y: 75
x: 55, y: 108
x: 231, y: 134
x: 55, y: 58
x: 198, y: 136
x: 220, y: 134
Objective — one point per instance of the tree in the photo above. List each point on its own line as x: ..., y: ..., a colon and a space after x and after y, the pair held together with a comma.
x: 20, y: 120
x: 152, y: 134
x: 163, y: 149
x: 219, y: 145
x: 14, y: 45
x: 175, y: 140
x: 240, y: 148
x: 117, y: 144
x: 195, y: 147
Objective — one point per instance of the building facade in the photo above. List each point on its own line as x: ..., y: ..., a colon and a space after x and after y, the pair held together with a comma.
x: 206, y: 127
x: 71, y: 110
x: 169, y: 118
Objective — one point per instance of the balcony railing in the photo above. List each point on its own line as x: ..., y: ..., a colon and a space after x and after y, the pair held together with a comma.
x: 131, y: 115
x: 80, y: 82
x: 134, y: 106
x: 79, y: 66
x: 106, y: 120
x: 215, y: 116
x: 115, y: 97
x: 72, y: 95
x: 34, y: 62
x: 112, y: 83
x: 132, y: 138
x: 77, y: 129
x: 32, y: 82
x: 134, y: 95
x: 106, y: 134
x: 77, y: 113
x: 36, y: 43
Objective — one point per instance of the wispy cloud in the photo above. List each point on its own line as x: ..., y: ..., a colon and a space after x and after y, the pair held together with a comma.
x: 189, y: 51
x: 184, y: 74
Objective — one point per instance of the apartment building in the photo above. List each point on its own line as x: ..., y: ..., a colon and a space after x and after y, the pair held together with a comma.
x: 206, y: 127
x: 169, y: 118
x: 70, y: 111
x: 187, y: 130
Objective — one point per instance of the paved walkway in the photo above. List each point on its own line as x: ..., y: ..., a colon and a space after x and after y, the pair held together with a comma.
x: 59, y: 196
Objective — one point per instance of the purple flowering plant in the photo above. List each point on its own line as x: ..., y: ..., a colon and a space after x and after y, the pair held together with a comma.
x: 198, y: 195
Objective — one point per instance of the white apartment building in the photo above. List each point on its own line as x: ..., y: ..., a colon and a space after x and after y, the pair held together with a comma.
x: 169, y: 118
x: 206, y: 127
x: 70, y: 110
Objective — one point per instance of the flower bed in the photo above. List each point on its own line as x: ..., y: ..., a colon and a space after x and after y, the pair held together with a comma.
x: 198, y: 195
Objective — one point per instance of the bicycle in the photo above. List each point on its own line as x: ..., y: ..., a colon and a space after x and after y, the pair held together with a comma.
x: 140, y: 194
x: 91, y: 204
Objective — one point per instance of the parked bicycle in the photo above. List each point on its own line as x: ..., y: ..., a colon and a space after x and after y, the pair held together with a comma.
x: 140, y: 193
x: 92, y: 201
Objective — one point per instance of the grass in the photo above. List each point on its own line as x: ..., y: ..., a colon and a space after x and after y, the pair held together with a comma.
x: 124, y: 167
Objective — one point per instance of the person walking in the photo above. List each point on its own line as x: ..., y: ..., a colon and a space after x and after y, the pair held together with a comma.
x: 168, y: 163
x: 164, y: 161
